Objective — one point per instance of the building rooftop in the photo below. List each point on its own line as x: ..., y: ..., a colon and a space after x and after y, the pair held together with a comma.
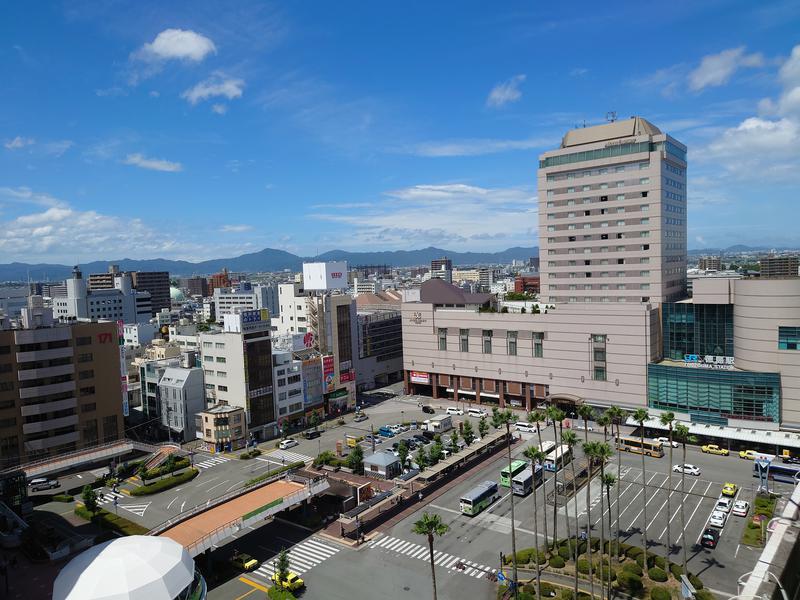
x: 438, y: 291
x: 610, y: 131
x: 381, y: 458
x: 222, y: 409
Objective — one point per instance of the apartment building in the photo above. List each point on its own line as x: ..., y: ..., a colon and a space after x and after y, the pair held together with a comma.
x: 120, y: 303
x: 246, y: 297
x: 154, y: 282
x: 289, y: 385
x: 223, y: 428
x: 138, y: 334
x: 709, y: 263
x: 59, y: 389
x: 182, y: 395
x: 237, y: 365
x: 194, y: 286
x: 612, y: 209
x: 780, y: 266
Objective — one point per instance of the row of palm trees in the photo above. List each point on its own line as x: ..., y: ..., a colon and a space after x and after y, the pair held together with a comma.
x: 598, y: 454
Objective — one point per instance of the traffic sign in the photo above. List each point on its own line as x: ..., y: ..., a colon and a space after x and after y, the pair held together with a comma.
x: 500, y: 576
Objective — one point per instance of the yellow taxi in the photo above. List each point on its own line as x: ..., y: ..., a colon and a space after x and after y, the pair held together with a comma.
x: 729, y: 489
x: 748, y: 454
x: 291, y: 583
x: 714, y: 449
x: 243, y: 561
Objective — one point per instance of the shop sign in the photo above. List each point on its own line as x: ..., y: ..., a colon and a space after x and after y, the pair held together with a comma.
x: 709, y: 361
x: 417, y: 377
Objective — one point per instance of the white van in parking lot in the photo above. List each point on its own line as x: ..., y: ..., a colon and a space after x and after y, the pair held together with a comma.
x: 477, y: 413
x: 453, y: 410
x: 525, y: 427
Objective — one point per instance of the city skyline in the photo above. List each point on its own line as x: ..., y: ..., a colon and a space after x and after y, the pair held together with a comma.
x: 191, y: 136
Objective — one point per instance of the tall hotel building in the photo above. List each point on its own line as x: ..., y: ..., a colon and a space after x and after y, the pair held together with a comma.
x: 612, y: 215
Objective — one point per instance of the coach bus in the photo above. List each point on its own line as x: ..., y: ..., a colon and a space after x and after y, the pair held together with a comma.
x: 478, y: 498
x: 547, y: 446
x: 523, y: 483
x: 635, y: 445
x: 561, y: 457
x: 784, y: 473
x: 507, y: 475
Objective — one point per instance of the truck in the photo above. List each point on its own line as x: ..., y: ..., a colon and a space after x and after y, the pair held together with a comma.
x: 438, y: 424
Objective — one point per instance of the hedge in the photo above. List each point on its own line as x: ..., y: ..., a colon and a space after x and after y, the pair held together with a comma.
x: 676, y: 570
x: 633, y: 552
x: 547, y: 589
x: 657, y: 574
x: 704, y: 595
x: 557, y: 562
x: 276, y: 593
x: 525, y: 556
x: 166, y: 483
x: 656, y: 561
x: 629, y: 582
x: 111, y: 521
x: 604, y: 571
x: 63, y: 498
x: 695, y: 581
x: 180, y: 463
x: 583, y: 566
x: 660, y: 593
x: 632, y: 567
x: 564, y: 552
x: 291, y: 466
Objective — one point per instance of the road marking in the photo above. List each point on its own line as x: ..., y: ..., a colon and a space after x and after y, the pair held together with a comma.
x: 441, y: 559
x: 735, y: 554
x: 497, y: 503
x: 137, y: 509
x: 632, y: 502
x: 302, y: 557
x: 677, y: 512
x: 233, y: 486
x: 182, y: 505
x: 216, y: 486
x: 253, y: 584
x: 693, y: 513
x: 172, y: 502
x: 658, y: 512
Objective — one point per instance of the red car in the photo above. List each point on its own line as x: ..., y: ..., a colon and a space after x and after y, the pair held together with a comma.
x: 710, y: 538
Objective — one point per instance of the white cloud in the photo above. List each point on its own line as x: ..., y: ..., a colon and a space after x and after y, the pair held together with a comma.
x: 28, y: 196
x: 473, y: 147
x: 154, y: 93
x: 506, y: 92
x: 219, y: 109
x: 578, y: 72
x: 111, y: 92
x: 57, y: 148
x: 154, y: 164
x: 19, y: 142
x: 218, y: 85
x: 176, y: 44
x: 236, y: 228
x: 717, y: 69
x: 475, y: 217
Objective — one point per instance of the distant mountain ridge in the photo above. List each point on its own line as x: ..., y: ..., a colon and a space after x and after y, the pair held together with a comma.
x: 268, y: 259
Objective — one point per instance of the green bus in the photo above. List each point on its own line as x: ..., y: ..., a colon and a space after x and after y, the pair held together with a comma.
x: 478, y: 498
x: 517, y: 467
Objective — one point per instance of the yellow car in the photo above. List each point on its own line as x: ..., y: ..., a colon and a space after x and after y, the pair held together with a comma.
x: 291, y: 583
x: 714, y: 449
x: 729, y: 489
x: 245, y: 562
x: 748, y: 454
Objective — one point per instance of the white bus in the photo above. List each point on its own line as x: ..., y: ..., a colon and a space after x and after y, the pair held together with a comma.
x: 523, y: 483
x: 558, y: 459
x: 547, y: 447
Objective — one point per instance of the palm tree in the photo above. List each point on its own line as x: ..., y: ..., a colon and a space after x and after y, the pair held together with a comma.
x: 539, y: 417
x: 617, y: 416
x: 608, y: 481
x: 506, y: 418
x: 604, y: 421
x: 681, y: 432
x: 640, y: 416
x: 536, y: 456
x: 585, y: 412
x: 589, y: 451
x: 570, y: 439
x: 430, y: 525
x: 602, y: 453
x: 555, y: 415
x: 668, y: 418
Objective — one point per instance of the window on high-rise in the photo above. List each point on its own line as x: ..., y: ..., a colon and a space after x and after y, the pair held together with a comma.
x: 538, y: 342
x: 789, y: 338
x: 442, y: 338
x: 463, y: 336
x: 511, y: 342
x: 487, y: 341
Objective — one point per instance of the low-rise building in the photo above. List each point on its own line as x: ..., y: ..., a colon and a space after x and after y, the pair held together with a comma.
x: 288, y: 378
x: 223, y: 428
x: 182, y: 396
x: 138, y: 334
x: 382, y: 465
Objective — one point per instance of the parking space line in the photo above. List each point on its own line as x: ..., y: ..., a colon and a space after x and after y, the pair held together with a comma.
x: 658, y: 512
x: 677, y: 512
x: 693, y: 512
x: 636, y: 518
x: 631, y: 503
x: 614, y: 501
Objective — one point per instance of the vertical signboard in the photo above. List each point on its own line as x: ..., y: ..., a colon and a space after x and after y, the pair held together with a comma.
x: 328, y: 373
x: 123, y: 368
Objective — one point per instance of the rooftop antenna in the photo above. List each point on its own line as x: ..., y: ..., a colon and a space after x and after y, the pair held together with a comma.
x: 611, y: 116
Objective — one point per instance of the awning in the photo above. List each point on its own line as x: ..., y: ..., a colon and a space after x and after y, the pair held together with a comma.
x: 783, y: 439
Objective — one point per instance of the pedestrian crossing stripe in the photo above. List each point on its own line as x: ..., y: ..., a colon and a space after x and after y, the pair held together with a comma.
x: 108, y: 496
x: 210, y: 462
x: 440, y: 559
x: 302, y: 557
x: 289, y: 457
x: 137, y: 509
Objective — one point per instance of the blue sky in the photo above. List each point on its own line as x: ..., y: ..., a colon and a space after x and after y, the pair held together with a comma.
x: 209, y: 129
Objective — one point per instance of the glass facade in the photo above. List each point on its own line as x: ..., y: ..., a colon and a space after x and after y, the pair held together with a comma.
x: 615, y: 150
x: 714, y: 396
x: 697, y: 329
x: 788, y: 338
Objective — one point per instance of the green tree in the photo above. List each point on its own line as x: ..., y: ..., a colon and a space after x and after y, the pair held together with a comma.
x: 618, y: 416
x: 454, y: 440
x: 538, y: 417
x: 435, y: 453
x: 668, y: 419
x: 282, y: 565
x: 608, y: 480
x: 508, y: 418
x: 355, y: 460
x: 421, y: 459
x: 89, y: 497
x: 468, y: 433
x: 141, y: 471
x: 570, y: 438
x: 402, y: 451
x: 170, y: 464
x: 429, y: 526
x: 598, y: 454
x: 586, y: 413
x: 556, y: 416
x: 326, y: 457
x: 314, y: 420
x: 640, y: 416
x: 604, y: 421
x: 285, y: 429
x: 483, y: 427
x: 497, y: 420
x: 536, y: 456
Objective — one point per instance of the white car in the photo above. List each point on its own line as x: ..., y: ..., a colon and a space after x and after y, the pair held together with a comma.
x: 687, y: 468
x: 395, y: 428
x: 525, y: 427
x: 717, y: 519
x: 723, y: 505
x: 740, y: 508
x: 288, y: 443
x: 454, y: 410
x: 477, y: 413
x: 665, y: 441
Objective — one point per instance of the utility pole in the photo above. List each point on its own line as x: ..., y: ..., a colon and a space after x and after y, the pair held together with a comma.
x: 372, y: 437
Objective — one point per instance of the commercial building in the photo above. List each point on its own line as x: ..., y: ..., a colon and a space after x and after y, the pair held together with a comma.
x: 120, y: 303
x: 59, y: 389
x: 138, y: 334
x: 780, y: 266
x: 182, y: 395
x: 288, y: 378
x: 237, y: 365
x: 245, y: 296
x: 223, y: 428
x: 151, y: 370
x: 154, y: 282
x: 709, y: 263
x: 380, y: 340
x: 526, y: 284
x: 194, y: 286
x: 612, y: 208
x: 219, y: 280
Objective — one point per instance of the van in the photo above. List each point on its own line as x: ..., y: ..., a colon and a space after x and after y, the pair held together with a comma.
x: 453, y: 410
x: 477, y: 413
x: 525, y: 427
x: 352, y: 440
x: 385, y: 431
x: 37, y: 481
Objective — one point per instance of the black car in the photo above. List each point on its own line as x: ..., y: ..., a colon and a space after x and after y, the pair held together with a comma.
x: 791, y: 460
x: 421, y: 439
x: 428, y: 409
x: 311, y: 434
x: 710, y: 538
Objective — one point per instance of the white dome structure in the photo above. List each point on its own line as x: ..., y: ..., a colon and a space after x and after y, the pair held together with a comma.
x: 136, y: 567
x: 176, y: 294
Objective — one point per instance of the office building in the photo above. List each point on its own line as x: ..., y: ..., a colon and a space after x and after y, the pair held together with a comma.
x: 237, y: 365
x: 219, y: 280
x: 612, y: 209
x: 245, y: 296
x: 780, y: 266
x: 223, y: 428
x: 103, y: 281
x: 138, y: 334
x: 157, y: 283
x: 709, y: 263
x: 151, y: 370
x: 182, y: 396
x: 365, y: 286
x: 195, y: 286
x: 380, y: 347
x: 13, y: 300
x: 288, y: 379
x: 120, y: 303
x: 59, y: 389
x: 442, y: 268
x: 526, y: 283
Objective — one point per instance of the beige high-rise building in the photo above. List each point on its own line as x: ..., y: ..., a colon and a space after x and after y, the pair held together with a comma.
x: 612, y: 215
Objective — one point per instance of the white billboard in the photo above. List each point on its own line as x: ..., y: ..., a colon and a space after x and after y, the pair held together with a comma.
x: 324, y: 276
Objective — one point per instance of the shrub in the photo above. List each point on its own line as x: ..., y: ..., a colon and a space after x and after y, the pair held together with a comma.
x: 676, y: 570
x: 632, y: 567
x: 583, y: 566
x: 523, y: 556
x: 640, y: 560
x: 633, y: 552
x: 255, y: 452
x: 604, y: 570
x: 547, y: 589
x: 245, y: 456
x: 275, y: 593
x: 657, y: 561
x: 564, y: 552
x: 704, y: 595
x: 165, y: 484
x: 657, y: 574
x: 63, y: 498
x: 557, y: 562
x: 630, y: 582
x: 660, y: 593
x: 295, y: 465
x: 111, y: 521
x: 695, y: 581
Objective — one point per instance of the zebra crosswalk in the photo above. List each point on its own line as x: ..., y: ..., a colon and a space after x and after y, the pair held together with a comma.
x: 211, y: 461
x: 440, y: 559
x: 281, y: 456
x: 302, y: 557
x: 107, y: 496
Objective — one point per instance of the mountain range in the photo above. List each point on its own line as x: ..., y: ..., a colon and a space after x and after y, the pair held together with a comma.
x: 268, y: 259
